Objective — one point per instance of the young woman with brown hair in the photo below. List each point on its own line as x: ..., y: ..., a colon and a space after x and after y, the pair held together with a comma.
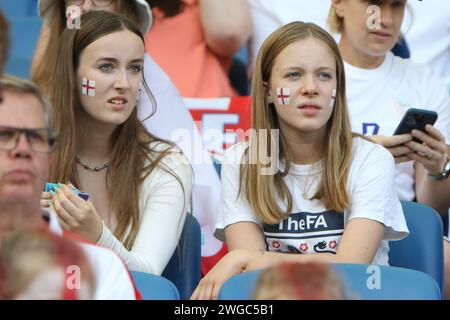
x: 139, y: 185
x: 331, y: 196
x: 169, y: 115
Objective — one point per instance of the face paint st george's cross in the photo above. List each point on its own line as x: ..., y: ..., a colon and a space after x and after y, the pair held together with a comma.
x: 333, y: 98
x: 88, y: 87
x: 283, y: 96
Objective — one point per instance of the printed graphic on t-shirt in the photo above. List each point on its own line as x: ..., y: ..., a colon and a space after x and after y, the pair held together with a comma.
x: 306, y: 232
x: 370, y: 128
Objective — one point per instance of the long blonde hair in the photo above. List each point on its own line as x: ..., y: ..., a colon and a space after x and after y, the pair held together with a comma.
x: 336, y: 149
x: 132, y: 158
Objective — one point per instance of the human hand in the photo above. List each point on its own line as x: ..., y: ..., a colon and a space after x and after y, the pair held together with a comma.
x: 75, y: 214
x: 432, y: 153
x: 46, y: 199
x: 231, y: 264
x: 397, y: 145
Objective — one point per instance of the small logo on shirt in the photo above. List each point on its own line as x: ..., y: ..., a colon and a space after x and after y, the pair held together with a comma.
x: 321, y: 247
x: 303, y: 247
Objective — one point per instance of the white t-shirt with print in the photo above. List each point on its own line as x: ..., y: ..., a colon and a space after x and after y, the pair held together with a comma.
x: 310, y: 227
x: 378, y: 98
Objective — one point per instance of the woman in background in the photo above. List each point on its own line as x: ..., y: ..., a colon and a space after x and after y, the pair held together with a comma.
x: 381, y: 88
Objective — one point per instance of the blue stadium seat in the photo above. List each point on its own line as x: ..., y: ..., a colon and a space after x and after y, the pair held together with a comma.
x: 19, y: 8
x: 154, y: 287
x: 184, y: 268
x: 422, y: 249
x: 24, y: 33
x: 395, y: 284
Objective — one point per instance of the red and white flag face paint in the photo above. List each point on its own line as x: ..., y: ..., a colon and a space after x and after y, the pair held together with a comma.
x: 88, y: 87
x: 333, y: 98
x: 283, y: 96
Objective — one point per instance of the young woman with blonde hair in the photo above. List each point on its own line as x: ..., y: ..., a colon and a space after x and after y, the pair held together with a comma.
x: 331, y: 198
x: 139, y: 185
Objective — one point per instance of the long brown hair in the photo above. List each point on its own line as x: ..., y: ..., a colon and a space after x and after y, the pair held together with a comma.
x: 336, y: 149
x: 56, y: 20
x: 132, y: 159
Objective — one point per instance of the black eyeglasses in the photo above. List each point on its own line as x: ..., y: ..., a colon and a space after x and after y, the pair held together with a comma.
x: 97, y: 3
x: 41, y: 140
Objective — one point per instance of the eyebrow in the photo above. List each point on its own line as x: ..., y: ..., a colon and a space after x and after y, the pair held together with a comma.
x: 301, y: 68
x: 115, y: 60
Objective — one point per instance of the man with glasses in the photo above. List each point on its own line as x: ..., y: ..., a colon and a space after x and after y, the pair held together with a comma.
x: 26, y: 145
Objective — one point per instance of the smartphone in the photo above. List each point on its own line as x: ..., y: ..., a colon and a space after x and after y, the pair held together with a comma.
x: 54, y: 186
x: 416, y: 119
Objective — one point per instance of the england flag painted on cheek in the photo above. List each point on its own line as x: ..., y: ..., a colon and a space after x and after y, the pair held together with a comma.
x: 283, y: 96
x: 88, y: 87
x: 333, y: 98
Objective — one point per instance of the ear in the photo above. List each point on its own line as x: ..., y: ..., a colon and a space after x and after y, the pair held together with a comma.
x: 338, y: 7
x: 268, y: 92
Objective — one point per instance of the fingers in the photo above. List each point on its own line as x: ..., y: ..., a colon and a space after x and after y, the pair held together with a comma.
x: 398, y: 140
x: 206, y: 290
x: 205, y: 294
x: 215, y: 291
x: 66, y: 219
x: 74, y: 198
x: 403, y: 158
x: 63, y: 224
x: 64, y: 207
x: 45, y: 199
x: 45, y: 203
x: 400, y: 150
x: 66, y: 199
x: 46, y: 195
x: 422, y: 149
x: 435, y: 133
x: 196, y: 292
x: 422, y: 158
x: 434, y: 140
x: 391, y: 141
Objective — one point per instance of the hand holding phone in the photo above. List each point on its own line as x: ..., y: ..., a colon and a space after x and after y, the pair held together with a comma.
x: 416, y: 119
x: 55, y: 186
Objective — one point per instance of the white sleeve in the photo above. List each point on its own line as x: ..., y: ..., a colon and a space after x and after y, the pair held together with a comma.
x: 373, y: 193
x: 435, y: 96
x: 233, y: 209
x: 164, y: 204
x: 264, y: 23
x: 112, y: 279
